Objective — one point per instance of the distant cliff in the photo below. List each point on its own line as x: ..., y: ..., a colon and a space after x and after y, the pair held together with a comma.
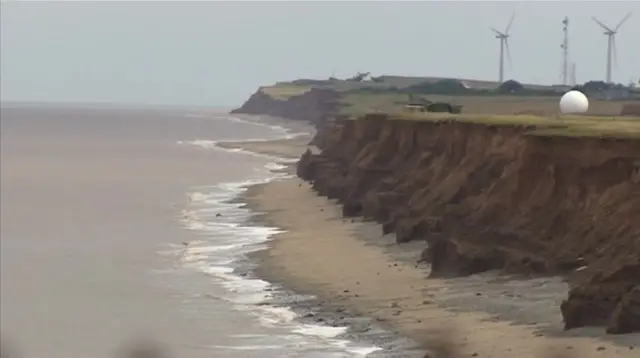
x: 314, y: 106
x: 489, y: 197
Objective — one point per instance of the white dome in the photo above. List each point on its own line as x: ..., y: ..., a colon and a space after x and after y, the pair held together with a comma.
x: 574, y: 102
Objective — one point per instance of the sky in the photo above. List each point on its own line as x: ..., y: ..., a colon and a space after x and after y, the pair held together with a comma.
x: 218, y: 53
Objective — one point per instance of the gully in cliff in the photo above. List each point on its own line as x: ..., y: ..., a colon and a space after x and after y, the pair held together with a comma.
x: 497, y: 197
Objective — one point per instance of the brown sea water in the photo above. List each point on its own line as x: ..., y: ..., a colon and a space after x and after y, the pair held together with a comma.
x: 97, y: 206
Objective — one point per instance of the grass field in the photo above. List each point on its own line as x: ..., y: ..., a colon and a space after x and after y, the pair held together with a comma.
x: 602, y: 120
x: 285, y: 91
x: 566, y: 126
x: 358, y: 103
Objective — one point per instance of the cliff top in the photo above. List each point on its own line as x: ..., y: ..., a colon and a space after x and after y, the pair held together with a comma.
x: 285, y: 91
x: 571, y: 126
x: 536, y: 108
x: 362, y: 97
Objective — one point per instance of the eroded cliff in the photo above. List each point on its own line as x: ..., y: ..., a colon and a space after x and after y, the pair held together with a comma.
x: 313, y: 106
x: 496, y: 197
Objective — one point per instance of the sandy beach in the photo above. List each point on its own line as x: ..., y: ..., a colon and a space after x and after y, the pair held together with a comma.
x: 350, y: 266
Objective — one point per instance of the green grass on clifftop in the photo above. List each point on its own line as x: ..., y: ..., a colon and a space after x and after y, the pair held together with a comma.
x: 285, y: 91
x: 565, y: 126
x: 358, y: 103
x: 605, y: 128
x: 505, y: 110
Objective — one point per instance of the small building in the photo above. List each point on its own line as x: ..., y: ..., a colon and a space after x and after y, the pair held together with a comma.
x: 510, y: 87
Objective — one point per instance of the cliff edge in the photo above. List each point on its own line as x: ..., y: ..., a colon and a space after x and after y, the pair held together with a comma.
x: 497, y: 197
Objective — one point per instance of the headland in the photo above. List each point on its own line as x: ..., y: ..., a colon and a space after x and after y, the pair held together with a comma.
x: 514, y: 228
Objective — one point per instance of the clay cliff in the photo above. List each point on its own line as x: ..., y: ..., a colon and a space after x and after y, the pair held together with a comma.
x: 497, y: 198
x: 314, y: 106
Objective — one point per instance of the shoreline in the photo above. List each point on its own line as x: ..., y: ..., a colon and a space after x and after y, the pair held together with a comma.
x: 309, y: 307
x: 314, y: 308
x: 398, y: 296
x: 475, y: 310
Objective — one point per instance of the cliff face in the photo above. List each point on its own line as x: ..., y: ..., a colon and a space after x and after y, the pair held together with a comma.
x: 313, y: 106
x: 486, y: 198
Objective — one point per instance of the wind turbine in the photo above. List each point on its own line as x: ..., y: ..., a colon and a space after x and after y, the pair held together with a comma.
x: 611, y: 43
x: 504, y: 42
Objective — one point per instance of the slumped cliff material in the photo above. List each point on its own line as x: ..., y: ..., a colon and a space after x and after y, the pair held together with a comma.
x: 493, y: 197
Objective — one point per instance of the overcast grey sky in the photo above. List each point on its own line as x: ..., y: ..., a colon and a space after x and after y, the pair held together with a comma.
x: 217, y: 53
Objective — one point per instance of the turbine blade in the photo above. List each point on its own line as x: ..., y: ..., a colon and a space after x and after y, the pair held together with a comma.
x: 623, y: 21
x: 496, y: 31
x: 510, y: 23
x: 601, y: 24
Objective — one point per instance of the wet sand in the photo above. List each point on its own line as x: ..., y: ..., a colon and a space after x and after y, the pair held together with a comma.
x: 349, y: 266
x: 286, y: 148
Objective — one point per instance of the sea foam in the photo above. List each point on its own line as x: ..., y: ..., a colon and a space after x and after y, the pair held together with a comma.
x: 226, y: 237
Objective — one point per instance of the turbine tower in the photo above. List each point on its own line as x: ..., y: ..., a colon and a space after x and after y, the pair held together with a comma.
x: 504, y: 42
x: 611, y: 43
x: 565, y: 51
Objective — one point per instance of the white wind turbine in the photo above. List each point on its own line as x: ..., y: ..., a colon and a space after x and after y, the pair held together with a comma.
x: 504, y: 42
x: 611, y: 43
